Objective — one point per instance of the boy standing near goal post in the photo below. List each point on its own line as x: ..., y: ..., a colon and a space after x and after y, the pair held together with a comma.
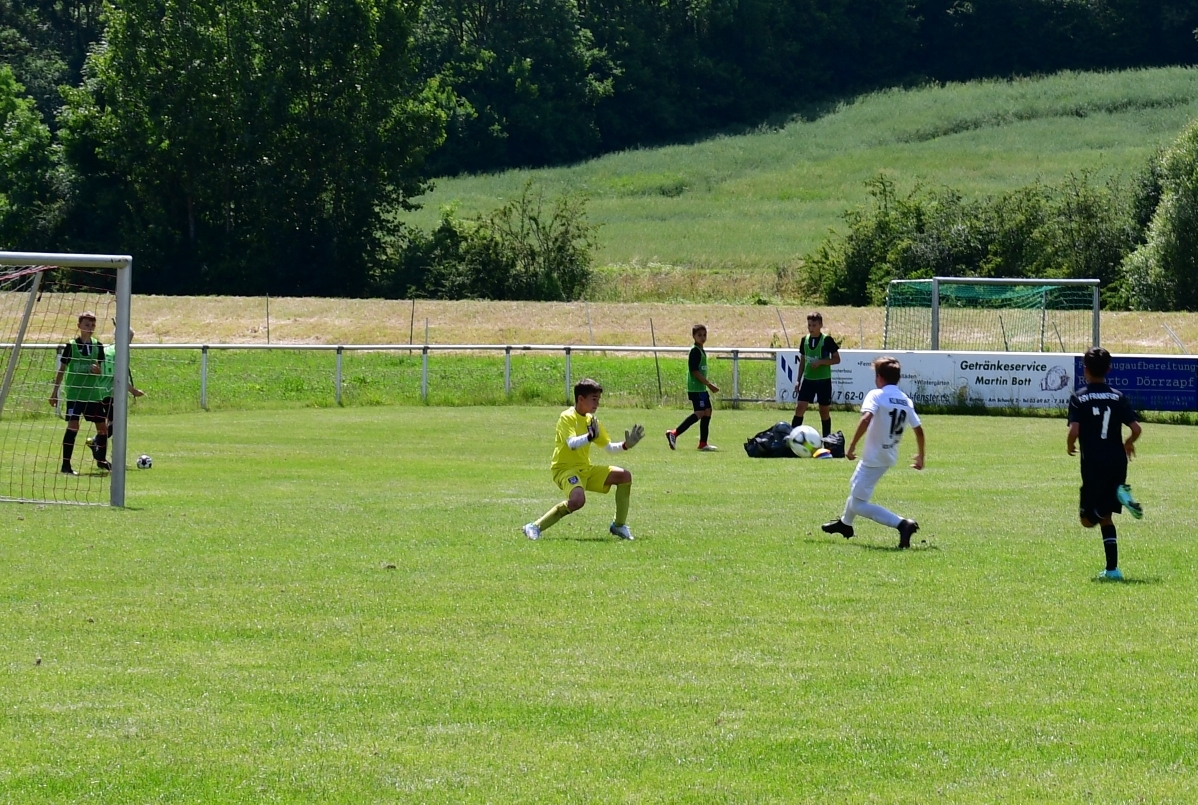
x: 81, y: 363
x: 886, y: 413
x: 99, y: 445
x: 573, y: 472
x: 1097, y: 414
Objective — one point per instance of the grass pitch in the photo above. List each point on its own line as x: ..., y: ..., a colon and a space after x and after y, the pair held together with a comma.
x: 338, y: 606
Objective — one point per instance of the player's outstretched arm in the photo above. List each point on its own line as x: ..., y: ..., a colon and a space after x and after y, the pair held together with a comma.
x: 920, y: 447
x: 633, y: 437
x: 862, y: 427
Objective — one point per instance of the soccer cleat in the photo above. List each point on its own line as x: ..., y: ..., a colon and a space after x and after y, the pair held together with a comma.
x: 105, y: 465
x: 838, y: 527
x: 906, y: 528
x: 672, y: 439
x: 1111, y: 575
x: 620, y: 531
x: 67, y: 469
x: 709, y: 448
x: 1123, y: 493
x: 532, y: 531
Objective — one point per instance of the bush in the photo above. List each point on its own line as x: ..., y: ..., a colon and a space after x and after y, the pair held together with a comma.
x: 521, y: 251
x: 1078, y: 230
x: 1162, y: 274
x: 1090, y: 230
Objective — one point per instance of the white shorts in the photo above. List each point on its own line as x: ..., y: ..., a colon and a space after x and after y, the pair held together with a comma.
x: 864, y: 479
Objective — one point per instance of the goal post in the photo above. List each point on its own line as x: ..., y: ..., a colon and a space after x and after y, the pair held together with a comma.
x: 1011, y: 315
x: 41, y: 297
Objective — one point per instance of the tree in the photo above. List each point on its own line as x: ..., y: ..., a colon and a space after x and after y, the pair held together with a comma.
x: 1162, y: 274
x: 28, y: 201
x: 528, y: 77
x: 251, y: 146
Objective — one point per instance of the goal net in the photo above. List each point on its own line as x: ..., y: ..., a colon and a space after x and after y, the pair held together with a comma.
x: 1009, y: 315
x: 55, y: 378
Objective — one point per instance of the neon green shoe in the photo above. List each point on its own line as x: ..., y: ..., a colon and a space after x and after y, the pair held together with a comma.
x: 1123, y: 493
x: 1111, y: 575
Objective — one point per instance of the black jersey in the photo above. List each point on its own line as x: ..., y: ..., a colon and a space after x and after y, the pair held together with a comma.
x: 1101, y: 412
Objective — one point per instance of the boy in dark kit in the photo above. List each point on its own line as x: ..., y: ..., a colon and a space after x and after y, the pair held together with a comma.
x: 1097, y: 414
x: 699, y: 389
x: 818, y: 353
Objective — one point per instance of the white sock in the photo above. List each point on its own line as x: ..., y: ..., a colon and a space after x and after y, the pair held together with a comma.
x: 847, y: 517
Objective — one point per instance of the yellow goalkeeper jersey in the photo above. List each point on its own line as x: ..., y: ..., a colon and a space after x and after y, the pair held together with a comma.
x: 570, y: 424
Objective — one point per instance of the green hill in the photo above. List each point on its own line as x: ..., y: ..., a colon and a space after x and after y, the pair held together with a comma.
x: 763, y: 199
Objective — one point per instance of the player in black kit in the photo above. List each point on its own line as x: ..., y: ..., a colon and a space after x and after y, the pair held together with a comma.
x: 1097, y: 414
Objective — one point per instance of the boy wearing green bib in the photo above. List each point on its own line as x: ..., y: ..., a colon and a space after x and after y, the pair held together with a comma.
x: 818, y: 353
x: 699, y: 390
x: 80, y: 364
x: 99, y: 445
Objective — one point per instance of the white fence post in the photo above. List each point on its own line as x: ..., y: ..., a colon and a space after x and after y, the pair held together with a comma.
x: 338, y: 380
x: 736, y: 378
x: 424, y: 374
x: 569, y: 385
x: 507, y: 370
x: 204, y: 377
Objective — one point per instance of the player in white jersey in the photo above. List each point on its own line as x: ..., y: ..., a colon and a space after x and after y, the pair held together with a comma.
x: 886, y: 413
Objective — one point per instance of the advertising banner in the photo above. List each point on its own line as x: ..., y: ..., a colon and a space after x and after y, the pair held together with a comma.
x: 1003, y: 379
x: 990, y: 379
x: 1152, y: 382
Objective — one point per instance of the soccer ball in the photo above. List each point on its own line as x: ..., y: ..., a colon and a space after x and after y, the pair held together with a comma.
x: 144, y: 462
x: 804, y: 441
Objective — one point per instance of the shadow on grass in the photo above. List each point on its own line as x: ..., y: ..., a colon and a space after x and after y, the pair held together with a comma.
x: 596, y: 538
x: 865, y: 545
x: 891, y: 548
x: 1126, y: 582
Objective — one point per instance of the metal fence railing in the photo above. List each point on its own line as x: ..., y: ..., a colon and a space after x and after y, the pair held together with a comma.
x: 179, y: 377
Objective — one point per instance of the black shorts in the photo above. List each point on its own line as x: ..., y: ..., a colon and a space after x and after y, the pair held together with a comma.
x: 91, y: 411
x: 1099, y: 492
x: 701, y: 400
x: 811, y: 390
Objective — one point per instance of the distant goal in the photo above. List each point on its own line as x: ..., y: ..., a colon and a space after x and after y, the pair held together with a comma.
x: 1008, y: 315
x: 41, y: 297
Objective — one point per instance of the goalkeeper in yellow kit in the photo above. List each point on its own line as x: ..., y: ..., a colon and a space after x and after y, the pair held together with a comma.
x: 573, y: 472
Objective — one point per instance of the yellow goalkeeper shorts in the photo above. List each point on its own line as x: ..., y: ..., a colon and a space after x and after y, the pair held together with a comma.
x: 592, y: 479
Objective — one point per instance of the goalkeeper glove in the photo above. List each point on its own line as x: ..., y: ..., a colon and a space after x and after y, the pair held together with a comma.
x: 592, y: 429
x: 633, y: 437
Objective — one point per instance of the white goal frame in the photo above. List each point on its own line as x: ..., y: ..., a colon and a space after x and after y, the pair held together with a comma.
x: 122, y: 265
x: 938, y: 281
